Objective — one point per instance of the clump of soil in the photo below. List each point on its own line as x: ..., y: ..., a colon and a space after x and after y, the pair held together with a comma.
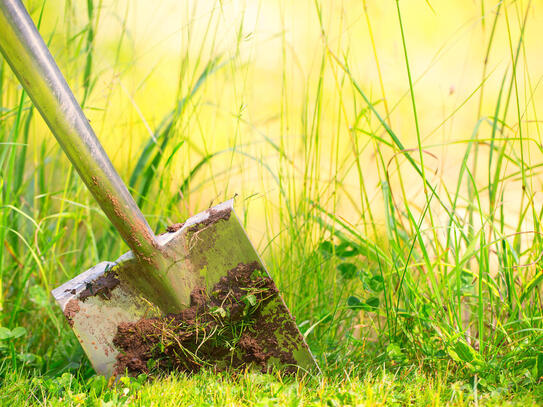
x: 102, y: 286
x: 70, y: 310
x: 214, y: 217
x: 229, y: 327
x: 175, y: 227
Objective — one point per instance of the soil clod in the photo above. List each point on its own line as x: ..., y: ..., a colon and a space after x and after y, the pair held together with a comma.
x: 70, y: 310
x: 241, y: 321
x: 175, y: 227
x: 214, y: 217
x: 102, y: 287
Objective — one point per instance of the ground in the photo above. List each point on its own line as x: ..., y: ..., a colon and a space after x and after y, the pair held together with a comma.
x: 405, y: 387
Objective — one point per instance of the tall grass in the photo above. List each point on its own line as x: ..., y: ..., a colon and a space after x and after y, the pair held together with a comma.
x: 390, y: 244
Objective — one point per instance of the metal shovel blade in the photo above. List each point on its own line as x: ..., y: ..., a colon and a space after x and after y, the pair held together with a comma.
x: 236, y: 316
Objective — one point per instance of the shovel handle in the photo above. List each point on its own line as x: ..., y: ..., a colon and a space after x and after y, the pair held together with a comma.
x: 28, y: 56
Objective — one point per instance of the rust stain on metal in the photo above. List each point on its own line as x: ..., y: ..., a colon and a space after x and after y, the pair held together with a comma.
x: 134, y: 228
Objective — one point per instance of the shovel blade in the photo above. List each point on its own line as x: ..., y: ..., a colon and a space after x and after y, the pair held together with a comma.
x: 235, y: 317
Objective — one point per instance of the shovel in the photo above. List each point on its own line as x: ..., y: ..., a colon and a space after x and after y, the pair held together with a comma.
x: 197, y: 296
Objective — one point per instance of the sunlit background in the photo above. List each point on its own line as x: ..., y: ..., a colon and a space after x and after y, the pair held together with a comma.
x: 275, y: 65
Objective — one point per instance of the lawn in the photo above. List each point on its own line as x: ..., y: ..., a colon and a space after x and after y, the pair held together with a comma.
x: 386, y: 161
x: 409, y: 387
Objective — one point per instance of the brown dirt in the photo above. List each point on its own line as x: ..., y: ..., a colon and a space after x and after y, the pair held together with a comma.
x: 70, y: 310
x: 175, y: 227
x: 102, y: 286
x: 214, y: 217
x: 222, y: 329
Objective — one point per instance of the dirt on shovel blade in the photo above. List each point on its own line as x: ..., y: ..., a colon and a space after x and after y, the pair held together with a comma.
x: 241, y: 322
x: 102, y: 287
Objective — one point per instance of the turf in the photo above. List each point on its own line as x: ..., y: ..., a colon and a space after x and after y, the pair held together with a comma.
x: 408, y: 387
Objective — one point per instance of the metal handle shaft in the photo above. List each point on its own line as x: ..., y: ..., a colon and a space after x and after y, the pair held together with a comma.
x: 26, y: 53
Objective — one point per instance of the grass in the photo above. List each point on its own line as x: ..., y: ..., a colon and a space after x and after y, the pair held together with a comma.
x: 394, y: 197
x: 379, y: 388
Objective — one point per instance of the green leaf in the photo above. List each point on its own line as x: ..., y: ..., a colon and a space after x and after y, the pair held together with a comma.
x: 151, y: 363
x: 377, y: 283
x: 427, y: 310
x: 5, y: 333
x: 125, y: 380
x: 250, y: 300
x: 28, y: 358
x: 466, y: 278
x: 465, y: 353
x: 326, y: 249
x: 65, y: 380
x: 18, y: 332
x: 463, y: 350
x: 97, y: 384
x: 354, y: 303
x: 539, y: 366
x: 394, y: 351
x: 531, y: 285
x: 347, y: 270
x: 346, y: 249
x: 373, y: 302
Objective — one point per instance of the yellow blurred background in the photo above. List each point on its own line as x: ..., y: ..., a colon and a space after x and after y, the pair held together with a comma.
x: 279, y: 83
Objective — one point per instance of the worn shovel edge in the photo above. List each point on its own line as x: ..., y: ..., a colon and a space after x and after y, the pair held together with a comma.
x: 65, y: 292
